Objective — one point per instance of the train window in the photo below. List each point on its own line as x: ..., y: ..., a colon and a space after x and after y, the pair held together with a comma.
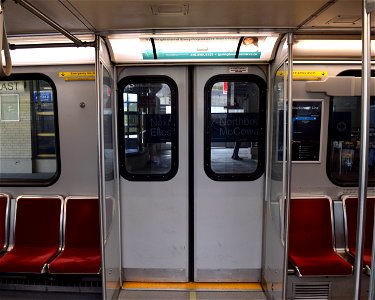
x: 29, y: 152
x: 234, y: 127
x: 344, y: 141
x: 148, y: 128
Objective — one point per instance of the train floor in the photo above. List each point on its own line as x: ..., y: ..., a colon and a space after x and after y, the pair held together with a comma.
x: 144, y: 291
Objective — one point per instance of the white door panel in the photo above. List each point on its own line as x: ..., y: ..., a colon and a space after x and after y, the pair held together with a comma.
x: 155, y: 213
x: 228, y: 214
x: 227, y: 219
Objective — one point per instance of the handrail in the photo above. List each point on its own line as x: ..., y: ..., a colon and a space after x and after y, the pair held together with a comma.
x: 4, y: 45
x: 363, y: 168
x: 289, y: 164
x: 31, y: 8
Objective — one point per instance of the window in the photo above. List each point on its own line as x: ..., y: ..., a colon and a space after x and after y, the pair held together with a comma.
x: 148, y: 128
x: 344, y: 141
x: 29, y: 152
x: 234, y: 127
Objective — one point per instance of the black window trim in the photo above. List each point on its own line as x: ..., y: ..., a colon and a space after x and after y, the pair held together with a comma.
x: 262, y: 129
x: 174, y: 115
x: 353, y: 73
x: 27, y: 182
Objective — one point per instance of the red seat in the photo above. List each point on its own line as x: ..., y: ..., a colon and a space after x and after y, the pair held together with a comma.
x: 81, y: 250
x: 311, y: 244
x: 4, y: 221
x: 350, y: 213
x: 37, y: 234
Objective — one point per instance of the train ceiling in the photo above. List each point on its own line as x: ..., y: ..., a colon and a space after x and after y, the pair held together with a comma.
x: 118, y: 16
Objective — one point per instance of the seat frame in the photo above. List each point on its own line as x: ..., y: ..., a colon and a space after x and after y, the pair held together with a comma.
x: 7, y: 223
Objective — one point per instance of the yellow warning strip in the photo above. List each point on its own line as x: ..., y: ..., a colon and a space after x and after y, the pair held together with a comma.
x: 192, y: 286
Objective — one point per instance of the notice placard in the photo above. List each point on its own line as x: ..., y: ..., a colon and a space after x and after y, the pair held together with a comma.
x: 306, y: 128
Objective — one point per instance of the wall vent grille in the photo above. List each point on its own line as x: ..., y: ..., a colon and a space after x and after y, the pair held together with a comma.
x: 313, y: 291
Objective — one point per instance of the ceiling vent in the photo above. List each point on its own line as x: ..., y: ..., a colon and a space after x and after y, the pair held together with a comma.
x: 170, y: 9
x: 345, y: 20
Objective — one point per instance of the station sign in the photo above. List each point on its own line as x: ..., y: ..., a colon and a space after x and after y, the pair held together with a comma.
x: 43, y: 96
x: 11, y: 86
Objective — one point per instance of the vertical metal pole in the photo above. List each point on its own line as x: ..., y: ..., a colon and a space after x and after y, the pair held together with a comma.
x: 116, y: 157
x: 289, y: 164
x: 101, y: 188
x: 363, y: 169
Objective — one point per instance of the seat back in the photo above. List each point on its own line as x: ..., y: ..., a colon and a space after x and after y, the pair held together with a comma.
x: 82, y: 223
x: 4, y: 220
x: 38, y: 221
x: 350, y: 204
x: 311, y: 229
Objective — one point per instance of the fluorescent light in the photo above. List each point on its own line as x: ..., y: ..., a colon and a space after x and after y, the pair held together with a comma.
x: 329, y: 48
x: 53, y: 55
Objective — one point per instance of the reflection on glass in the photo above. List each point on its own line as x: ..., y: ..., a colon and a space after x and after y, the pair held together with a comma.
x: 108, y: 125
x: 234, y: 121
x: 344, y: 134
x: 148, y: 124
x: 27, y: 129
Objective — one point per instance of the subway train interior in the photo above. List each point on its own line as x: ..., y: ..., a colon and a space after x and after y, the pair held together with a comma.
x: 169, y: 149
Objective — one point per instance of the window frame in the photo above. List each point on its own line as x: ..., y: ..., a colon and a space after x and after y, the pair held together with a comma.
x: 251, y: 78
x: 137, y: 79
x: 29, y: 181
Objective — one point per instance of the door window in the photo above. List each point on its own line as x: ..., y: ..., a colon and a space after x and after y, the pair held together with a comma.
x: 234, y: 127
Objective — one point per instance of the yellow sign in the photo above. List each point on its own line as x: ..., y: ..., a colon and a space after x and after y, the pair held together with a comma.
x: 72, y: 76
x: 305, y: 75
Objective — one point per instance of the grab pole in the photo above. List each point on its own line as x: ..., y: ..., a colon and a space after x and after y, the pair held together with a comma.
x: 288, y: 166
x: 363, y: 168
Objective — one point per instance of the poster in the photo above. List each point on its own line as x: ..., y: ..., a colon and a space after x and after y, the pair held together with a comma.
x: 306, y: 129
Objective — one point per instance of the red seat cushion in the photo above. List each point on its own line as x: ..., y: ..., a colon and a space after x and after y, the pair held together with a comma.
x: 77, y: 261
x: 81, y: 254
x: 311, y: 239
x: 27, y: 259
x: 37, y: 236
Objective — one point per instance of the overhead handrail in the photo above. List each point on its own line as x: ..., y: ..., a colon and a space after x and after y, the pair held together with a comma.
x: 4, y: 46
x: 31, y: 8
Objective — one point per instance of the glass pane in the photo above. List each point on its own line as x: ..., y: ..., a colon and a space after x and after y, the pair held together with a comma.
x: 148, y: 128
x: 344, y: 133
x: 235, y: 125
x: 278, y: 151
x: 28, y: 144
x: 273, y: 225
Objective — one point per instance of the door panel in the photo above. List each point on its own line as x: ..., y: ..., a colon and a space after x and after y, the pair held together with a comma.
x: 228, y: 214
x: 155, y: 213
